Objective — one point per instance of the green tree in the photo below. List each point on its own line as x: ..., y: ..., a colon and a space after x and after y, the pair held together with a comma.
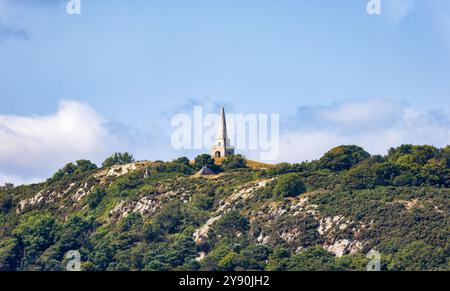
x: 9, y: 254
x: 203, y: 201
x: 228, y: 262
x: 68, y: 170
x: 205, y: 160
x: 172, y: 218
x: 289, y: 185
x: 312, y: 259
x: 231, y: 224
x: 182, y: 250
x: 343, y: 158
x: 118, y: 159
x: 183, y: 160
x: 6, y: 202
x: 419, y: 256
x: 75, y: 234
x: 278, y: 259
x: 36, y: 234
x: 94, y: 198
x: 254, y: 257
x: 234, y: 162
x: 85, y: 166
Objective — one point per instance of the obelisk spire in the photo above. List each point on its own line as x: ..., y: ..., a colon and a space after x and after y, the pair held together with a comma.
x: 222, y: 128
x: 222, y: 147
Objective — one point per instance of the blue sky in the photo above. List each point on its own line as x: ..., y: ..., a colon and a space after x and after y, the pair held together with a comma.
x: 130, y: 65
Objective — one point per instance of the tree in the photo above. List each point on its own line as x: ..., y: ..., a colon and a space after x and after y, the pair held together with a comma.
x: 71, y: 169
x: 254, y: 257
x: 182, y: 250
x: 118, y: 159
x: 183, y: 160
x: 418, y: 256
x: 413, y: 156
x: 278, y: 259
x: 75, y: 233
x: 228, y: 262
x: 36, y: 233
x: 205, y: 160
x: 203, y: 201
x: 172, y: 218
x: 6, y: 202
x: 289, y: 185
x: 68, y: 170
x: 343, y: 158
x: 446, y: 154
x: 231, y: 224
x: 312, y: 259
x: 9, y: 254
x: 181, y: 165
x: 94, y: 198
x: 234, y: 162
x: 85, y: 166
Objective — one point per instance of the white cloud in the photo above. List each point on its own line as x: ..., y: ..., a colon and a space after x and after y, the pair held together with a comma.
x: 38, y: 145
x: 376, y: 125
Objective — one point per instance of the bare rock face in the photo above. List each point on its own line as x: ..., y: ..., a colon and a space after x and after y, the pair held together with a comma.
x: 105, y: 177
x: 344, y: 246
x: 330, y: 227
x: 144, y: 206
x: 121, y: 170
x: 149, y: 204
x: 43, y: 197
x: 202, y: 232
x: 243, y: 194
x: 339, y: 247
x: 82, y: 191
x: 328, y: 223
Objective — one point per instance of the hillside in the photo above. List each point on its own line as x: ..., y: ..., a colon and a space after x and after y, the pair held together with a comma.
x: 321, y: 215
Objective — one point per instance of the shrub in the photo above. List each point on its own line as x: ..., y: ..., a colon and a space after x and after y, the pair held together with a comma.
x: 85, y: 166
x: 94, y: 199
x: 6, y: 202
x: 289, y: 185
x: 205, y: 160
x: 203, y: 201
x: 183, y: 160
x: 118, y: 159
x: 231, y: 223
x: 343, y: 158
x: 234, y: 162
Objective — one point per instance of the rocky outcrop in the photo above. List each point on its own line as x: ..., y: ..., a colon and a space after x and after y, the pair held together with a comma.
x: 332, y: 229
x: 144, y: 206
x: 82, y: 191
x: 202, y: 232
x: 43, y: 197
x: 149, y: 204
x: 239, y: 196
x: 106, y: 176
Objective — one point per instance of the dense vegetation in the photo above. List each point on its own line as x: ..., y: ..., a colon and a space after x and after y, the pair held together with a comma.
x: 144, y: 218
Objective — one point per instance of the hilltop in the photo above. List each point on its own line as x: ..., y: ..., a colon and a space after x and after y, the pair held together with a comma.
x: 320, y: 215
